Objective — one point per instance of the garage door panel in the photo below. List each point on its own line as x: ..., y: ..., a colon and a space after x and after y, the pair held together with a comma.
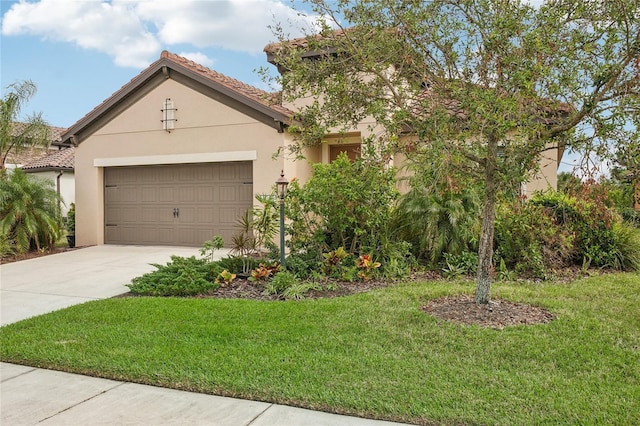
x: 207, y: 200
x: 166, y: 194
x: 149, y: 195
x: 206, y: 194
x: 122, y: 215
x: 187, y: 195
x: 245, y: 194
x: 229, y: 215
x: 205, y: 215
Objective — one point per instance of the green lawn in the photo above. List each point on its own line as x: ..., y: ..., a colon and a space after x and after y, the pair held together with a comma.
x: 374, y: 355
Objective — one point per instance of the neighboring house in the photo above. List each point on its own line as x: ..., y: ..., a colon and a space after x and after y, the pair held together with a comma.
x: 179, y: 153
x: 57, y: 167
x: 17, y: 159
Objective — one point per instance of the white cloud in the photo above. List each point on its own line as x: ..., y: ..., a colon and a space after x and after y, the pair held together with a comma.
x: 107, y: 27
x: 133, y: 33
x: 198, y: 58
x: 240, y: 25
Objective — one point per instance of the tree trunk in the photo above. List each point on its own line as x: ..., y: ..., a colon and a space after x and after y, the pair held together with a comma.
x: 485, y: 249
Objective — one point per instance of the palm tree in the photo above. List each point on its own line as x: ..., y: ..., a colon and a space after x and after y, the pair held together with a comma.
x: 29, y: 211
x: 16, y: 136
x: 438, y: 221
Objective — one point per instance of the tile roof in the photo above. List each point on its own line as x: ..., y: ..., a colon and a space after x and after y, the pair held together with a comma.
x: 56, y: 132
x: 253, y: 93
x: 252, y: 96
x: 28, y: 155
x: 61, y: 159
x: 301, y: 42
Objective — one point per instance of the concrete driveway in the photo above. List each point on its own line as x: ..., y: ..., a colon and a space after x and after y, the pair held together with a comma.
x: 33, y: 396
x: 37, y: 286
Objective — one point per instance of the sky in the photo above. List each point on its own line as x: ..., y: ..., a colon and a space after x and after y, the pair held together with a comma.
x: 79, y: 52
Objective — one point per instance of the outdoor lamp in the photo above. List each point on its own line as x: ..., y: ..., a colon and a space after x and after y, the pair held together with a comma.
x: 281, y: 185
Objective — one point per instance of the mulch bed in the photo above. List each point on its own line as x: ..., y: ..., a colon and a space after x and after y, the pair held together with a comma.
x: 496, y: 314
x: 33, y: 254
x: 244, y: 289
x: 458, y: 309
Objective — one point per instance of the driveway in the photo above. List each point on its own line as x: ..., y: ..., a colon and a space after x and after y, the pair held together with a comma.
x: 37, y: 286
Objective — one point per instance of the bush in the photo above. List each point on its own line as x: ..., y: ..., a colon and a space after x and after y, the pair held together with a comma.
x: 344, y: 204
x: 240, y: 264
x: 280, y: 283
x: 627, y: 247
x: 465, y: 263
x: 529, y: 240
x: 554, y: 230
x: 179, y: 277
x: 589, y: 216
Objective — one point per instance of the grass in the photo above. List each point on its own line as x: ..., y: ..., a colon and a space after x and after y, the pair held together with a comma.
x: 374, y: 355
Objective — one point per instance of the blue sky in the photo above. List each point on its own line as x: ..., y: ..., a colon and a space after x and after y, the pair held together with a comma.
x: 78, y: 52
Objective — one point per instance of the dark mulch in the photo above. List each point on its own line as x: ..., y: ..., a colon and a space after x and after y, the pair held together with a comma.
x: 496, y: 314
x: 459, y: 309
x: 33, y: 254
x: 244, y: 289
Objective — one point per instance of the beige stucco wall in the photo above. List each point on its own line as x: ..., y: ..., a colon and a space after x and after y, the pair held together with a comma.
x: 547, y: 176
x: 205, y: 130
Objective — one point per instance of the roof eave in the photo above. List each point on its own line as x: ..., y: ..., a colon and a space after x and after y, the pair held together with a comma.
x: 47, y: 169
x: 165, y: 67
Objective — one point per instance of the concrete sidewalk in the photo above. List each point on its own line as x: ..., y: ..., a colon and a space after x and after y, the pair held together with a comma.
x: 30, y: 396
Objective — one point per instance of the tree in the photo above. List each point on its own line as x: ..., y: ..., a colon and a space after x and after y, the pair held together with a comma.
x: 490, y: 83
x: 16, y: 136
x: 29, y: 211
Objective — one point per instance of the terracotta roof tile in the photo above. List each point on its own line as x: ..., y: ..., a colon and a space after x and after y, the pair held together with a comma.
x: 56, y: 132
x: 61, y: 159
x: 301, y: 42
x: 251, y: 92
x: 268, y: 100
x: 29, y: 155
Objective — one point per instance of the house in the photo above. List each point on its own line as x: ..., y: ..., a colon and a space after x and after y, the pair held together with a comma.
x: 57, y: 166
x: 176, y: 156
x: 179, y: 153
x: 53, y: 162
x: 18, y: 158
x: 329, y: 45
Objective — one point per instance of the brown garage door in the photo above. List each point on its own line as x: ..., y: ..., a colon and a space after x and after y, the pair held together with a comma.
x: 182, y: 204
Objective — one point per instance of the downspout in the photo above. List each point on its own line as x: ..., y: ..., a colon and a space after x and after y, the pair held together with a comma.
x: 58, y: 188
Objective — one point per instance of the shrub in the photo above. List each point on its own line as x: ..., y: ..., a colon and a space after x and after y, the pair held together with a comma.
x: 239, y: 264
x: 588, y: 216
x: 263, y: 272
x: 179, y: 277
x: 465, y: 263
x: 225, y: 278
x: 627, y: 247
x: 529, y: 240
x: 344, y: 204
x: 209, y: 247
x: 71, y: 219
x: 280, y: 283
x: 555, y: 230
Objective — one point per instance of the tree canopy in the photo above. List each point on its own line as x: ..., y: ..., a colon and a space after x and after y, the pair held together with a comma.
x: 484, y: 85
x: 17, y: 135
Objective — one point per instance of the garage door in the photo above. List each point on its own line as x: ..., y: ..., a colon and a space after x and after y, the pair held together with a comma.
x: 182, y: 204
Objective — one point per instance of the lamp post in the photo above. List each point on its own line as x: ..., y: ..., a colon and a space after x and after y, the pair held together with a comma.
x: 281, y: 185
